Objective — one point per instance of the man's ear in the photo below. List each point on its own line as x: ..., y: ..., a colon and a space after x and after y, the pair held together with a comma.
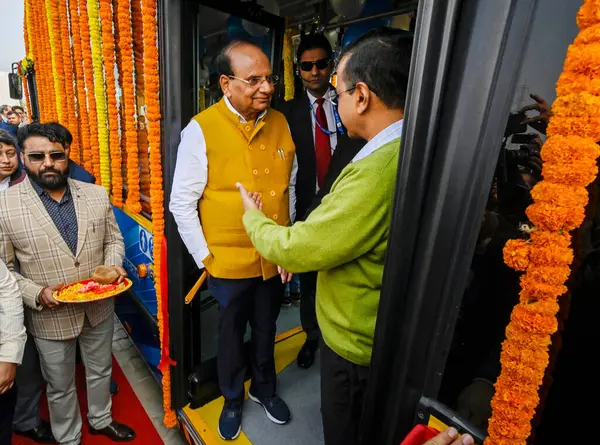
x: 362, y: 97
x: 225, y: 83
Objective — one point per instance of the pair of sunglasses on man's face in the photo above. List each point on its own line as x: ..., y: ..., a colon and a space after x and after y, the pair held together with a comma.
x: 56, y: 156
x: 321, y: 64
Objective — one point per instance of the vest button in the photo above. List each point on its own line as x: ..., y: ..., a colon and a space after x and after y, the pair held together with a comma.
x: 272, y: 193
x: 262, y: 146
x: 250, y: 147
x: 255, y: 172
x: 275, y: 217
x: 247, y: 128
x: 267, y: 171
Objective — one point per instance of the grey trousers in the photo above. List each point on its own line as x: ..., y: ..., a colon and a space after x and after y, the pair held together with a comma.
x: 31, y: 384
x: 57, y: 359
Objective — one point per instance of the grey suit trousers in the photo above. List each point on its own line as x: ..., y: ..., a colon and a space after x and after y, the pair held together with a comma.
x: 57, y: 360
x: 31, y: 384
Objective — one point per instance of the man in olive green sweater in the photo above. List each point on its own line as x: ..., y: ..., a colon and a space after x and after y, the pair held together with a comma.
x: 345, y: 238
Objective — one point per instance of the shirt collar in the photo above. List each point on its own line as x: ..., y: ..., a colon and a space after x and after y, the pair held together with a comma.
x: 388, y: 134
x: 312, y: 98
x: 41, y: 192
x: 4, y: 184
x: 242, y: 119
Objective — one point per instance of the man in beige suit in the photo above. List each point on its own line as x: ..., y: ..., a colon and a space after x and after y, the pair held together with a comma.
x: 60, y: 230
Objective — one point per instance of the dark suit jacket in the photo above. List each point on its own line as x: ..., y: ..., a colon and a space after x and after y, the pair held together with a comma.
x: 297, y: 113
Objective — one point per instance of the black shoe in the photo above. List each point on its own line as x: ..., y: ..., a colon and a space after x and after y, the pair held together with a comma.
x: 117, y: 432
x: 296, y: 297
x: 40, y: 434
x: 306, y: 356
x: 286, y: 301
x: 275, y: 408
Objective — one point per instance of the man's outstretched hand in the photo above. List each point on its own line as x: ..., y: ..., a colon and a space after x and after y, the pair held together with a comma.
x: 250, y: 200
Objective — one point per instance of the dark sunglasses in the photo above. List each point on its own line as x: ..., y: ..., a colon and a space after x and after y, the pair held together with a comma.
x: 56, y: 156
x: 321, y: 64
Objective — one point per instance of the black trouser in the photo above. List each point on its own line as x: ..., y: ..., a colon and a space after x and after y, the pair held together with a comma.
x: 343, y: 387
x: 308, y: 306
x: 241, y: 301
x: 31, y: 384
x: 7, y: 410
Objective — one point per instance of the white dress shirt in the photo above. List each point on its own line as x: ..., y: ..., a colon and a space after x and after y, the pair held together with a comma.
x: 328, y: 106
x: 189, y: 181
x: 4, y: 184
x: 12, y: 327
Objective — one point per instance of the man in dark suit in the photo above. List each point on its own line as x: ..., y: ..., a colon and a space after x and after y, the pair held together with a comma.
x: 323, y: 149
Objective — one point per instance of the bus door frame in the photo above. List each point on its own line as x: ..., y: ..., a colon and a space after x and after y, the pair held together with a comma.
x: 466, y: 58
x: 178, y: 88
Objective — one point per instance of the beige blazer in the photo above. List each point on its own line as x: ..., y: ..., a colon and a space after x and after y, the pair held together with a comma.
x: 28, y: 234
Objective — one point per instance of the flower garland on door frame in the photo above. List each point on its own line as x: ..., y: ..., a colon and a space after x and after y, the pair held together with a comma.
x: 70, y: 101
x: 152, y: 93
x: 288, y: 65
x: 83, y: 118
x: 570, y: 165
x: 91, y: 155
x: 108, y: 55
x: 56, y: 55
x: 99, y: 92
x: 28, y: 49
x: 50, y: 113
x: 129, y: 132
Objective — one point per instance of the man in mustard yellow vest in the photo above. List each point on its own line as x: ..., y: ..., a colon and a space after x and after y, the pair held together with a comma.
x: 238, y: 139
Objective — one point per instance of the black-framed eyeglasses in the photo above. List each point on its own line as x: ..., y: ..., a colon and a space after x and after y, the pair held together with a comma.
x: 256, y: 82
x: 335, y: 96
x: 321, y: 64
x: 56, y: 156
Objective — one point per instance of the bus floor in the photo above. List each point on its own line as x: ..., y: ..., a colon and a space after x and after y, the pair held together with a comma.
x: 300, y: 388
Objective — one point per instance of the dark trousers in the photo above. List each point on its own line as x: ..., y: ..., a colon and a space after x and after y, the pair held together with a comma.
x: 308, y: 306
x: 343, y: 387
x: 241, y: 301
x: 30, y: 383
x: 7, y: 409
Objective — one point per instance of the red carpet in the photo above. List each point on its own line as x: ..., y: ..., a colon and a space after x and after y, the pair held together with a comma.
x: 126, y: 408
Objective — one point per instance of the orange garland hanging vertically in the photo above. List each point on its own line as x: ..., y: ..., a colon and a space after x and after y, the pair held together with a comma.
x: 108, y: 55
x: 83, y: 122
x: 570, y: 165
x: 56, y: 57
x: 50, y: 113
x: 70, y: 102
x: 156, y: 188
x: 125, y: 50
x: 92, y: 157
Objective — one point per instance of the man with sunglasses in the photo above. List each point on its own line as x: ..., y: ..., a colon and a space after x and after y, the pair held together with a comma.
x: 238, y: 137
x: 345, y: 238
x: 322, y: 151
x: 59, y: 230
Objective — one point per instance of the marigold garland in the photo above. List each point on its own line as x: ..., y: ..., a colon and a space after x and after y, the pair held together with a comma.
x: 288, y: 65
x: 82, y: 121
x: 143, y: 172
x: 569, y: 155
x: 46, y: 71
x: 70, y: 101
x: 108, y: 55
x: 56, y: 55
x: 125, y: 51
x: 156, y: 192
x: 91, y: 154
x: 99, y: 92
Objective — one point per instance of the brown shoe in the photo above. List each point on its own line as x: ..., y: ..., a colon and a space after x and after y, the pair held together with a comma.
x: 117, y: 432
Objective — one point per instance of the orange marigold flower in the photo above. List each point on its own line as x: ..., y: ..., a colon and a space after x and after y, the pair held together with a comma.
x: 533, y: 290
x: 560, y: 194
x: 581, y: 104
x: 517, y: 433
x: 516, y: 336
x: 553, y: 217
x: 570, y: 82
x: 588, y: 35
x: 576, y: 174
x: 583, y: 126
x: 527, y: 355
x: 516, y: 254
x: 530, y: 321
x: 583, y: 59
x: 554, y: 275
x: 589, y: 14
x: 568, y: 149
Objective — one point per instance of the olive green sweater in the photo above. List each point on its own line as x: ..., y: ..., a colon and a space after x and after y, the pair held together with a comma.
x: 345, y: 240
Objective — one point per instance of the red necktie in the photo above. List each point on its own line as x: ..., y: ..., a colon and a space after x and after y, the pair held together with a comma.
x: 322, y: 144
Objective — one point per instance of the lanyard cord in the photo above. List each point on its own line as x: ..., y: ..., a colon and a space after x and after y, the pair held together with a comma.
x: 336, y: 117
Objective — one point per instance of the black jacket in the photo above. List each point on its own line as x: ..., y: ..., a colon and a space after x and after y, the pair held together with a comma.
x: 297, y: 113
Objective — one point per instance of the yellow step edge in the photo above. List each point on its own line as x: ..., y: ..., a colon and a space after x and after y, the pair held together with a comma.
x: 206, y: 418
